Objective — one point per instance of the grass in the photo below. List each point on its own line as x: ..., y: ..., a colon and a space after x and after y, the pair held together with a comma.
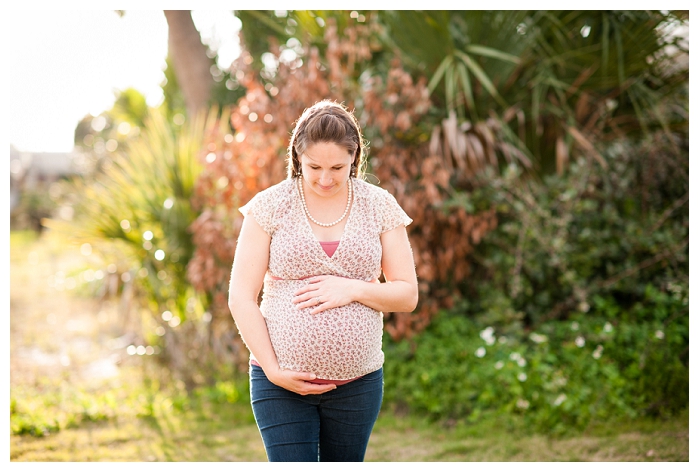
x: 414, y: 439
x: 147, y: 425
x: 141, y: 425
x: 154, y: 429
x: 63, y: 408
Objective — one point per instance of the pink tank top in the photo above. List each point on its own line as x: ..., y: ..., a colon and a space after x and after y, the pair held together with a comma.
x: 329, y: 247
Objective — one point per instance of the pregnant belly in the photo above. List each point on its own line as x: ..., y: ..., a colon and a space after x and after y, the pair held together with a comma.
x: 339, y: 343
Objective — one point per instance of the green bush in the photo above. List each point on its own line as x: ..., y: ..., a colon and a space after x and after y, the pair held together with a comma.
x: 577, y: 305
x: 562, y: 240
x: 594, y: 366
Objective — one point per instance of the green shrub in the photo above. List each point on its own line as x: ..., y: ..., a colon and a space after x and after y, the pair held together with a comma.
x: 222, y: 392
x: 564, y: 374
x: 565, y: 239
x: 577, y: 306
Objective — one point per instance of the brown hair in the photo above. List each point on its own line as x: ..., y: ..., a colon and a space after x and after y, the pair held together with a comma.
x: 326, y: 122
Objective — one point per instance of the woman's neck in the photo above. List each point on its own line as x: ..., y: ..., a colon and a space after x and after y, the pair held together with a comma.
x: 327, y: 210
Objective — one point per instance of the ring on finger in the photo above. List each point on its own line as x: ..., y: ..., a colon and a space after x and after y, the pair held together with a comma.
x: 318, y: 302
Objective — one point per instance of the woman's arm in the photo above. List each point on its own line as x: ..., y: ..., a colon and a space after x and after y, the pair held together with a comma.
x: 247, y: 275
x: 399, y: 293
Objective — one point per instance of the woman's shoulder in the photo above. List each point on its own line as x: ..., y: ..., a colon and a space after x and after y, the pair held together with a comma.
x: 276, y: 193
x: 284, y: 187
x: 367, y: 189
x: 268, y: 204
x: 383, y: 205
x: 371, y: 192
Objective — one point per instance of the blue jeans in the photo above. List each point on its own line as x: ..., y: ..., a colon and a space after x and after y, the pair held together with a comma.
x: 333, y: 426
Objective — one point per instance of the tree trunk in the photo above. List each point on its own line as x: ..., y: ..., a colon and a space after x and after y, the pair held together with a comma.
x: 189, y: 60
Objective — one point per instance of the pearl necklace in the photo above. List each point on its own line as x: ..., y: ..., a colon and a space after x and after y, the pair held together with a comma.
x: 308, y: 214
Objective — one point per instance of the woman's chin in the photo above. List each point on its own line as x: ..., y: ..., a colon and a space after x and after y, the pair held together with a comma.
x: 326, y: 191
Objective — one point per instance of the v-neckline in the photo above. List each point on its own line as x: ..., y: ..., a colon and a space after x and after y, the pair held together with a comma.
x: 310, y: 229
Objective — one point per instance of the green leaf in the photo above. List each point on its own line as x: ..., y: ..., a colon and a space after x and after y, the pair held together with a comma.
x: 439, y: 73
x: 491, y: 52
x: 466, y: 84
x: 450, y: 87
x: 482, y: 77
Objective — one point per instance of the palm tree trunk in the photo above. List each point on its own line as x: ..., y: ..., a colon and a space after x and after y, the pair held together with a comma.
x: 189, y: 60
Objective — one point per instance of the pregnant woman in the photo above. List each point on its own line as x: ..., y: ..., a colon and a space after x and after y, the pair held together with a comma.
x: 318, y: 242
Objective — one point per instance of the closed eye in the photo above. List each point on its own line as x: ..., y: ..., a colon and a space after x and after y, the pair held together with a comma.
x: 333, y: 168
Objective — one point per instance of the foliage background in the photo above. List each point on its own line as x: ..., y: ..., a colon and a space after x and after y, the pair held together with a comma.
x: 542, y: 155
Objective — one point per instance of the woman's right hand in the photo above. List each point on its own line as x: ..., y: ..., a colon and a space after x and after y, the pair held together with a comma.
x: 299, y: 382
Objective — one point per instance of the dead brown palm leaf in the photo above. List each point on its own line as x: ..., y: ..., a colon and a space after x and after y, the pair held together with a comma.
x: 479, y: 153
x: 587, y: 146
x: 485, y: 130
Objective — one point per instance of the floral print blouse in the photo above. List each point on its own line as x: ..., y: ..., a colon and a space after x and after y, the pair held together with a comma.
x: 339, y: 343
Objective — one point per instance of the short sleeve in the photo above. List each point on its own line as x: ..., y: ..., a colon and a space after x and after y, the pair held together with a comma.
x: 392, y: 215
x: 261, y: 207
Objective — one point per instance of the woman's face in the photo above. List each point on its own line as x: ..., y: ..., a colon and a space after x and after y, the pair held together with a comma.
x: 325, y: 168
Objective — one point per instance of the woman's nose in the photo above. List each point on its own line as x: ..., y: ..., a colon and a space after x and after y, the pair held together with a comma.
x: 325, y: 178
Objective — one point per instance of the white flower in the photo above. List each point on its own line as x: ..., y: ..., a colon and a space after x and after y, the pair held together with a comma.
x: 487, y: 333
x: 522, y: 403
x: 521, y: 376
x: 608, y: 327
x: 487, y: 336
x: 521, y: 362
x: 580, y: 341
x: 480, y: 352
x: 538, y: 338
x: 499, y: 365
x: 598, y: 352
x: 659, y: 334
x: 574, y: 326
x: 583, y: 306
x: 515, y: 356
x: 560, y: 399
x: 502, y: 339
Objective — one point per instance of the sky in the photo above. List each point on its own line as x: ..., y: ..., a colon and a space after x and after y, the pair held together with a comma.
x: 65, y: 64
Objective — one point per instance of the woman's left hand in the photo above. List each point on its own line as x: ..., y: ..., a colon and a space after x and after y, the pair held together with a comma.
x: 324, y: 292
